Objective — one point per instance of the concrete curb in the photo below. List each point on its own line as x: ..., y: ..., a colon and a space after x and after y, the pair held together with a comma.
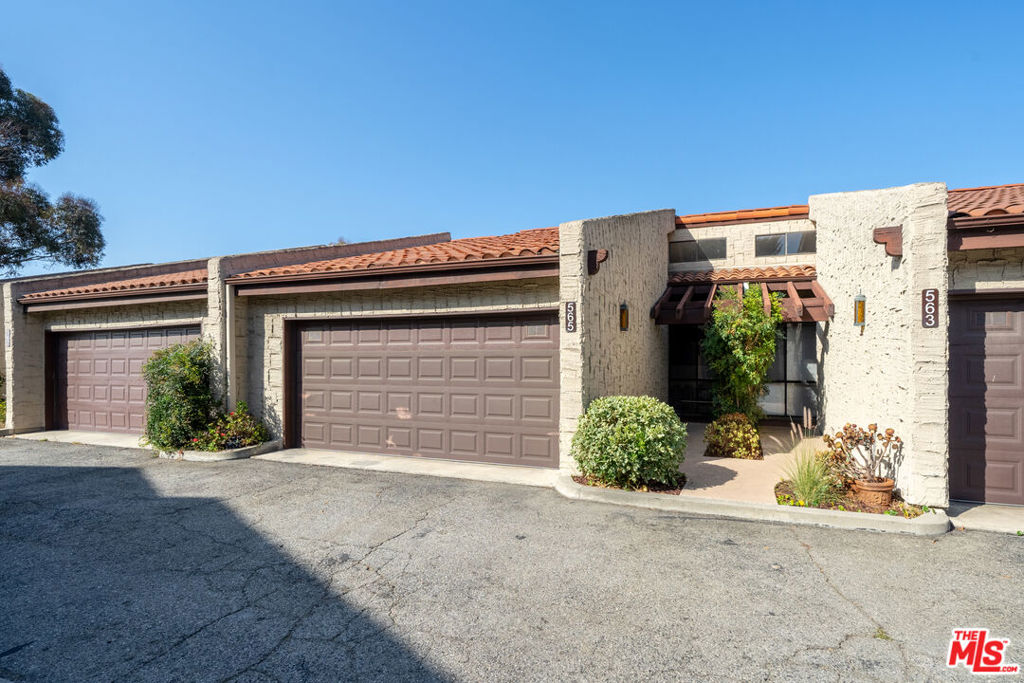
x: 925, y: 525
x: 217, y: 456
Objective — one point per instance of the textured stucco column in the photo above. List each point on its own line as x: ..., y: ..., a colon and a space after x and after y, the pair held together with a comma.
x: 895, y: 373
x: 599, y: 359
x: 24, y: 355
x: 215, y: 325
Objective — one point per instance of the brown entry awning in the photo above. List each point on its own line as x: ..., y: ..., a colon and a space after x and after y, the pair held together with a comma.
x: 689, y: 297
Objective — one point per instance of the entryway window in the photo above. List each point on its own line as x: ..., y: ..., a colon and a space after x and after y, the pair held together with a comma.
x: 793, y: 377
x: 786, y: 244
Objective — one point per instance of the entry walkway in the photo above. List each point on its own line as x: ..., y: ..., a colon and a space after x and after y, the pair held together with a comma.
x: 751, y: 481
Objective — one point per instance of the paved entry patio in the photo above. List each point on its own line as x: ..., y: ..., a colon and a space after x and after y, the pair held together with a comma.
x: 734, y: 479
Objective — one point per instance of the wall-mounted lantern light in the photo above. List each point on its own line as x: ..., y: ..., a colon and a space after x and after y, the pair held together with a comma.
x: 623, y: 317
x: 859, y: 311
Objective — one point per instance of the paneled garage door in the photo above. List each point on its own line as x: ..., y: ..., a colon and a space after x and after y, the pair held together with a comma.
x: 465, y: 388
x: 986, y: 400
x: 98, y: 377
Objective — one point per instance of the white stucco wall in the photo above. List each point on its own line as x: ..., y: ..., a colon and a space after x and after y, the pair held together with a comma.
x: 599, y: 359
x: 895, y: 373
x: 740, y: 244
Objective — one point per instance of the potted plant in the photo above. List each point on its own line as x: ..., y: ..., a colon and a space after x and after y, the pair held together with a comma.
x: 862, y: 456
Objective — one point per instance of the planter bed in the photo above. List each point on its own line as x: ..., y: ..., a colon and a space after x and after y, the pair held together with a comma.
x: 848, y: 503
x: 231, y: 454
x: 655, y: 487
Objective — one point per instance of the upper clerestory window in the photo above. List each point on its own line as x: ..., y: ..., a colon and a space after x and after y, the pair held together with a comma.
x: 786, y: 244
x: 699, y: 250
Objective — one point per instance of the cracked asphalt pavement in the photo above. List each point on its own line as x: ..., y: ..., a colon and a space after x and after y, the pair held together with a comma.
x: 115, y: 565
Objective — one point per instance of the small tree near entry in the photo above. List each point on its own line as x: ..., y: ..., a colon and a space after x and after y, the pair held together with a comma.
x: 739, y: 346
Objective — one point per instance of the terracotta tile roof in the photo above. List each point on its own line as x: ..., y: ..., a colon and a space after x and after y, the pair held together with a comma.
x: 148, y: 283
x: 994, y: 200
x: 745, y: 275
x: 525, y: 243
x: 775, y: 212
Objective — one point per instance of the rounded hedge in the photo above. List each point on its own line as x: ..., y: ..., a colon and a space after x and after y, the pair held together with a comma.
x: 732, y: 436
x: 630, y: 442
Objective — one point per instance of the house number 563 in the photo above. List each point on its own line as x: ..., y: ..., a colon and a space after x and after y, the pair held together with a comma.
x: 929, y: 308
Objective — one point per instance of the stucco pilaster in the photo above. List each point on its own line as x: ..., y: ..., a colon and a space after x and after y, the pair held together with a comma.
x: 894, y: 371
x: 599, y: 359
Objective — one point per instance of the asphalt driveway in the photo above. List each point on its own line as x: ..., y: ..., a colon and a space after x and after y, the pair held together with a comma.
x: 115, y: 565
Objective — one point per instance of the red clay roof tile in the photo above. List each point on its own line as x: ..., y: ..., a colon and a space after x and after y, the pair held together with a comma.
x: 525, y: 243
x: 993, y: 200
x: 770, y: 213
x: 767, y: 273
x: 150, y: 282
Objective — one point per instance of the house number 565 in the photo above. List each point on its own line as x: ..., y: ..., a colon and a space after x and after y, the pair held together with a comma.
x: 929, y: 308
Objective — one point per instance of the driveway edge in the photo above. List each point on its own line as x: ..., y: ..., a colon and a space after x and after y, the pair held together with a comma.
x: 925, y: 525
x: 218, y: 456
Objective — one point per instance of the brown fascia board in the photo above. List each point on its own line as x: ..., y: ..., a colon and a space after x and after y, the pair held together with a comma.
x: 242, y: 263
x: 403, y: 276
x: 153, y: 292
x: 125, y: 299
x: 985, y: 232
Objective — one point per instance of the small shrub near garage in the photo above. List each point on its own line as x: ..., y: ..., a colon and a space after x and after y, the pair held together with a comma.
x: 237, y: 429
x: 181, y: 402
x: 732, y: 436
x: 630, y: 442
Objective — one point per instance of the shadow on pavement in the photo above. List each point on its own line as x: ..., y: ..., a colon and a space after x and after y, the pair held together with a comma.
x: 101, y: 578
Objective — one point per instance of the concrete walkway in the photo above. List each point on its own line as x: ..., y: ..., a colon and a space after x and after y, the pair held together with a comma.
x: 1006, y: 519
x: 88, y: 438
x: 751, y: 481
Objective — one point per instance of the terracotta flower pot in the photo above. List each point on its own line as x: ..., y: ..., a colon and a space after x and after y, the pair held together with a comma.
x: 875, y: 493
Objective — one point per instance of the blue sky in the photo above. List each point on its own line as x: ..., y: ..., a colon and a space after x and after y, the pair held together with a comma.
x: 204, y: 128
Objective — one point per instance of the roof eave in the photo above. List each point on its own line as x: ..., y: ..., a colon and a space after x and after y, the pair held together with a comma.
x: 374, y: 273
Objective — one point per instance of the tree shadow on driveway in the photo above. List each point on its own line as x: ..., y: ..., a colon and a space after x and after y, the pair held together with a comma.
x: 102, y: 578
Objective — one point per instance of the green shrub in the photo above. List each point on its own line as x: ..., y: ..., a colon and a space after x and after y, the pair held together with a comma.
x: 181, y: 402
x: 3, y: 412
x: 237, y: 429
x: 739, y: 345
x: 732, y: 436
x: 812, y: 481
x: 630, y: 442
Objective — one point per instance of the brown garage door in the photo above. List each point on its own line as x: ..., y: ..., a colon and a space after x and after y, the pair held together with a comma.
x: 98, y: 377
x: 466, y: 388
x: 986, y: 400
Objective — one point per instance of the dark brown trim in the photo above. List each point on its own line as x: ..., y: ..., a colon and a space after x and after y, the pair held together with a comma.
x: 741, y: 221
x: 50, y: 380
x: 374, y: 273
x: 1010, y: 292
x: 992, y: 238
x: 892, y: 238
x: 595, y: 257
x: 63, y: 305
x: 394, y: 282
x: 289, y: 421
x: 27, y: 300
x: 301, y: 320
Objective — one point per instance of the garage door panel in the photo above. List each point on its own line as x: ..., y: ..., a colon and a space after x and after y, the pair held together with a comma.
x: 986, y: 400
x: 462, y: 388
x: 98, y: 376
